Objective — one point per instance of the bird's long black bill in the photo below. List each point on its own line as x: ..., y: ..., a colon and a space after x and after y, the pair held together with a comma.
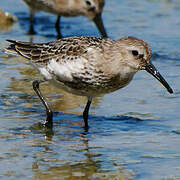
x: 153, y: 71
x: 99, y: 23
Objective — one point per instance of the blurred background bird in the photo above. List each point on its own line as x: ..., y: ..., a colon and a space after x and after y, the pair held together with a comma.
x: 92, y: 9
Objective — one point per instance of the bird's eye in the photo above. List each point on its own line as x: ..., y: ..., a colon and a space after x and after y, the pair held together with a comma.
x: 88, y: 3
x: 135, y: 52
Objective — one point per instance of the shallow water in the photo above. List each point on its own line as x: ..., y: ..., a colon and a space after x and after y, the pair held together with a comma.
x: 134, y: 132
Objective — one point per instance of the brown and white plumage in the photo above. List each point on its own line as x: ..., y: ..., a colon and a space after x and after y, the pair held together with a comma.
x: 92, y: 9
x: 89, y: 66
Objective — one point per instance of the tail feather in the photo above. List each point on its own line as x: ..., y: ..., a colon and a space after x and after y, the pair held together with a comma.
x: 11, y: 48
x: 24, y: 49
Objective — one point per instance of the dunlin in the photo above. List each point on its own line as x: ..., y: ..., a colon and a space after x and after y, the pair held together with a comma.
x: 87, y: 66
x: 89, y: 8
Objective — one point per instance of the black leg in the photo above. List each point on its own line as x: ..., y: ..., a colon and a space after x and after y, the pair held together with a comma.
x: 31, y: 25
x: 86, y: 112
x: 49, y: 114
x: 57, y: 26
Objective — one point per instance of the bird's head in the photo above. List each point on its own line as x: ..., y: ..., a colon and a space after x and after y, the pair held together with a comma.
x: 137, y: 55
x: 93, y: 10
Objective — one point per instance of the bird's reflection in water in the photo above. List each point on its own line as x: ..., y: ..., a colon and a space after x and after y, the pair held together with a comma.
x: 75, y: 160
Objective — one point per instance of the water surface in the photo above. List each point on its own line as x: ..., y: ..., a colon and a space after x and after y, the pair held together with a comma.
x: 134, y: 132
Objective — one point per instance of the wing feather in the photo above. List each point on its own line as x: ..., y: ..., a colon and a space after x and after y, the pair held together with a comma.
x: 67, y: 49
